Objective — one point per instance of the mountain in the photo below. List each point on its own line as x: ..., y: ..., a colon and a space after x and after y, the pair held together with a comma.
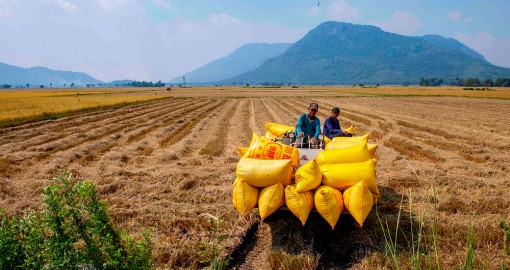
x: 342, y: 53
x: 451, y: 43
x: 243, y: 59
x: 36, y: 76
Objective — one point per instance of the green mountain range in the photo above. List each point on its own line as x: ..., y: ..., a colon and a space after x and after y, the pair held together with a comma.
x: 243, y: 59
x: 36, y: 76
x: 336, y: 53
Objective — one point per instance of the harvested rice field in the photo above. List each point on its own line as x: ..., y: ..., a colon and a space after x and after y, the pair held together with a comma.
x: 168, y: 164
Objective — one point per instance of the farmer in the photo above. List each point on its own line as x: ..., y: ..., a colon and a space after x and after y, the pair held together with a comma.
x: 308, y: 126
x: 332, y: 125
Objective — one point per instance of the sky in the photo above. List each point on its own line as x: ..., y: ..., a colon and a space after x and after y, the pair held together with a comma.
x: 155, y: 40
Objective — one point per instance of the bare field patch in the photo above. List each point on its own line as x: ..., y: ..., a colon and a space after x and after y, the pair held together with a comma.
x: 169, y: 164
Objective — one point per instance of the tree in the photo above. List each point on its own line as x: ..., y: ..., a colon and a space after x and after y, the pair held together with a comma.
x: 502, y: 82
x: 488, y: 82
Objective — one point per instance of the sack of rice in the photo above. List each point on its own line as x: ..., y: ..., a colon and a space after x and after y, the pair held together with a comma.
x: 308, y: 177
x: 344, y: 175
x: 244, y: 197
x: 263, y: 148
x: 271, y: 198
x: 329, y: 203
x: 356, y: 153
x: 264, y: 173
x: 299, y: 203
x: 358, y: 200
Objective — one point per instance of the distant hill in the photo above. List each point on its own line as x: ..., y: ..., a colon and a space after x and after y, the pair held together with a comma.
x: 36, y: 76
x: 451, y: 43
x: 344, y: 53
x: 243, y: 59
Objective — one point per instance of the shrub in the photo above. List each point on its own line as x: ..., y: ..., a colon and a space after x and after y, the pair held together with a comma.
x: 73, y: 230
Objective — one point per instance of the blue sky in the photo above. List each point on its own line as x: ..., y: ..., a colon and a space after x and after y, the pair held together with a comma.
x: 162, y: 39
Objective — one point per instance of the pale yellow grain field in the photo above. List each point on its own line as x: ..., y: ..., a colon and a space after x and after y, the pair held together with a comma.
x: 166, y: 164
x: 31, y: 103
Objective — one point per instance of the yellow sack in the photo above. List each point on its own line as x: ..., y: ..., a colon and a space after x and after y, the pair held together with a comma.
x: 263, y: 148
x: 244, y: 197
x: 356, y: 153
x: 350, y: 129
x: 242, y: 150
x: 278, y: 130
x: 299, y: 203
x: 326, y: 141
x: 269, y: 136
x: 344, y: 175
x: 308, y: 176
x: 358, y: 201
x: 329, y: 203
x: 343, y: 142
x: 254, y: 137
x: 371, y: 149
x: 351, y: 139
x: 271, y: 199
x: 264, y: 173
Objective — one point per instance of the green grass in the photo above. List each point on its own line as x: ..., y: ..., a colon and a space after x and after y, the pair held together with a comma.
x: 73, y: 230
x: 424, y: 251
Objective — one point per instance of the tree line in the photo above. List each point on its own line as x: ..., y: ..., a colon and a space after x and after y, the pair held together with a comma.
x: 145, y: 84
x: 473, y: 82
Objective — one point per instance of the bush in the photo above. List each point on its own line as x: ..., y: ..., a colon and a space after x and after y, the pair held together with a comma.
x: 73, y: 231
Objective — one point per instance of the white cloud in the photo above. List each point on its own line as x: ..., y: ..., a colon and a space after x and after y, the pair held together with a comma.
x: 454, y: 16
x: 343, y: 11
x: 495, y: 49
x: 66, y: 5
x: 110, y: 4
x: 163, y: 4
x: 468, y: 20
x: 5, y: 13
x: 401, y: 22
x: 222, y: 20
x: 314, y: 11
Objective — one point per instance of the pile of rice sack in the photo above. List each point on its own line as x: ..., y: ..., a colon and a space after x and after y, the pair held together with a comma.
x: 340, y: 177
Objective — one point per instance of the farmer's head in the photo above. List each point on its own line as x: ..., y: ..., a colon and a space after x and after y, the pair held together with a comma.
x: 313, y: 108
x: 335, y: 112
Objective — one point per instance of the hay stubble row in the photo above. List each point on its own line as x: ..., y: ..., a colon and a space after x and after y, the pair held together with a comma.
x: 162, y: 163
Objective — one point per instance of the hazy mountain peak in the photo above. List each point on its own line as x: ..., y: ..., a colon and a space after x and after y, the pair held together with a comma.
x: 243, y: 59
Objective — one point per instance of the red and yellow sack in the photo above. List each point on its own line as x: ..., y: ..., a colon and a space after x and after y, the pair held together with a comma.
x: 263, y: 148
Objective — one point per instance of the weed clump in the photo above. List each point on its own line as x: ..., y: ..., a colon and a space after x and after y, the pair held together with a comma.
x: 72, y: 231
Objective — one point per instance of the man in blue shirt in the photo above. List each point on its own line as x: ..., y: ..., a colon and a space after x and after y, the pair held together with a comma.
x: 308, y: 126
x: 332, y: 125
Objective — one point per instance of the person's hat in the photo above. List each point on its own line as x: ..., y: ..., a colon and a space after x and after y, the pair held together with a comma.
x: 314, y: 106
x: 335, y: 110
